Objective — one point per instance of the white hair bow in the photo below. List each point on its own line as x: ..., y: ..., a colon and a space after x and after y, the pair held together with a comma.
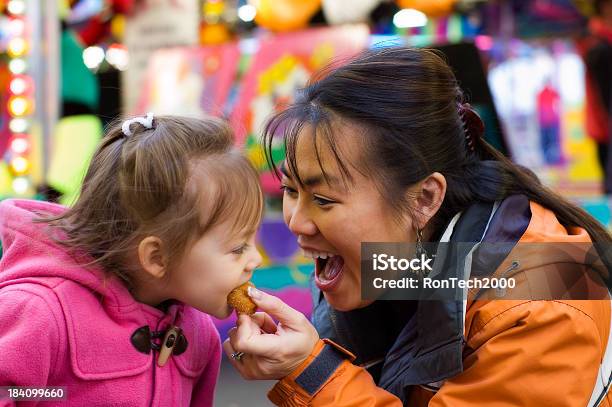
x: 147, y: 122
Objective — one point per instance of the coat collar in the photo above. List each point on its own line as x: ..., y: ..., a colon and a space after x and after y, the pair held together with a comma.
x: 429, y: 348
x: 100, y: 348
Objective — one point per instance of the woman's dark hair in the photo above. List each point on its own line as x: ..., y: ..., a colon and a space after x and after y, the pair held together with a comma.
x: 407, y: 103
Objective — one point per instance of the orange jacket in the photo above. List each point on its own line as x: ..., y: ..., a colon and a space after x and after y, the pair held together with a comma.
x: 516, y: 353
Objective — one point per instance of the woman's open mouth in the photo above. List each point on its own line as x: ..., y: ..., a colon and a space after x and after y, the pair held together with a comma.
x: 329, y: 268
x: 328, y: 272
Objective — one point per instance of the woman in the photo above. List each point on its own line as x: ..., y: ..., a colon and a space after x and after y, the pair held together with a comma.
x: 383, y: 150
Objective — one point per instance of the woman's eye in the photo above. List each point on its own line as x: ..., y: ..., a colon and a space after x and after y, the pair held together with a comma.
x: 322, y: 201
x: 288, y: 190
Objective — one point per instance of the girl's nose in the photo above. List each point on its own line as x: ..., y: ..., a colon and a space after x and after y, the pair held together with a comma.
x: 255, y: 261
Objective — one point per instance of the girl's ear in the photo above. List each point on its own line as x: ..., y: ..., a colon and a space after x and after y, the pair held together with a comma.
x: 151, y: 256
x: 430, y: 194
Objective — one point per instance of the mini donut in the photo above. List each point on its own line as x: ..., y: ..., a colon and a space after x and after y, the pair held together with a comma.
x: 239, y: 299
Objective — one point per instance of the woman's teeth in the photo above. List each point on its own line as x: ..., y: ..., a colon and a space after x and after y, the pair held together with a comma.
x: 328, y: 272
x: 321, y: 255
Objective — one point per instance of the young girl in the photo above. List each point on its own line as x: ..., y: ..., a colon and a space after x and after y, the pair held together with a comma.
x: 109, y: 297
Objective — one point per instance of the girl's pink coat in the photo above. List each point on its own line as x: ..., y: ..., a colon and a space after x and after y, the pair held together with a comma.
x: 64, y: 325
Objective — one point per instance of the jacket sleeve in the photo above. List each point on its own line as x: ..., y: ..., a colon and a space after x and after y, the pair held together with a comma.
x: 29, y: 337
x: 536, y: 353
x: 204, y: 389
x: 328, y: 378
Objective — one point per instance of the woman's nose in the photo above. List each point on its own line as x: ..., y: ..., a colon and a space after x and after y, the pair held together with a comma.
x: 299, y: 222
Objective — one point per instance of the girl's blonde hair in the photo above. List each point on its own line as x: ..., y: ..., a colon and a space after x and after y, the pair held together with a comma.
x: 147, y: 184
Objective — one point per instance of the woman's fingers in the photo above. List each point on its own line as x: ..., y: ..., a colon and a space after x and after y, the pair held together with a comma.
x: 272, y: 305
x: 227, y: 348
x: 249, y: 339
x: 240, y: 365
x: 271, y: 351
x: 229, y: 351
x: 231, y: 331
x: 265, y: 322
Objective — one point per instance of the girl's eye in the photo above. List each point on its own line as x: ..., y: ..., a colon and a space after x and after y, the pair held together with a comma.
x: 322, y: 201
x: 241, y: 249
x: 288, y: 190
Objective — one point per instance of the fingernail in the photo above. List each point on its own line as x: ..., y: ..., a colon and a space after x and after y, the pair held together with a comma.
x: 254, y: 293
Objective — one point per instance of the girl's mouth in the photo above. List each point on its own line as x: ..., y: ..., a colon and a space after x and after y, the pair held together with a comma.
x: 328, y: 272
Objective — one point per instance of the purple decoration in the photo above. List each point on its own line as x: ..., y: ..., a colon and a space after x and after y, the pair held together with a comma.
x: 279, y: 243
x: 442, y: 29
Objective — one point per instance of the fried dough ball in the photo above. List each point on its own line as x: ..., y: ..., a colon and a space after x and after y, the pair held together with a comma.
x: 239, y: 299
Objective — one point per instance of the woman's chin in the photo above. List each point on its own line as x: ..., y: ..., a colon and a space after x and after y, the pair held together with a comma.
x: 345, y: 302
x: 347, y: 295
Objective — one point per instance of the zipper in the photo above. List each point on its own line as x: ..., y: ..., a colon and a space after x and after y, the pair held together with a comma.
x: 501, y: 292
x: 344, y: 337
x: 332, y: 317
x: 371, y: 363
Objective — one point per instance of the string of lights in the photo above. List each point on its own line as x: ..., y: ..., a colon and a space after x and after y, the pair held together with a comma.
x: 21, y: 101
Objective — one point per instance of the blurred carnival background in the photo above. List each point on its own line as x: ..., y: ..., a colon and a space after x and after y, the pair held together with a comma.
x: 67, y: 68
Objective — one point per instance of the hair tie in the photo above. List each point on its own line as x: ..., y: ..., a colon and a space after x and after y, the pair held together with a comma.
x: 147, y: 122
x: 473, y: 125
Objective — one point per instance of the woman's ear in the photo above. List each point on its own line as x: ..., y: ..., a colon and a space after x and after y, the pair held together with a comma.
x: 430, y: 193
x: 151, y: 256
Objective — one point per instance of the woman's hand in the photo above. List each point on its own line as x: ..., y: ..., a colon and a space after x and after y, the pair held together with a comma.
x: 271, y: 351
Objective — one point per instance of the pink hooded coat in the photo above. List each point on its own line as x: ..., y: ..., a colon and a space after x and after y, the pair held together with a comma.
x: 64, y: 325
